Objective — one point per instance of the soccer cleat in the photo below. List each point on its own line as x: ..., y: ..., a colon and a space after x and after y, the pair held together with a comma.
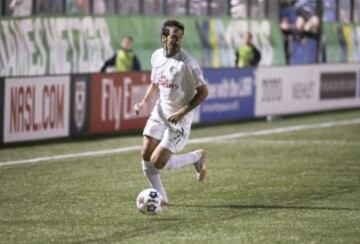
x: 200, y: 166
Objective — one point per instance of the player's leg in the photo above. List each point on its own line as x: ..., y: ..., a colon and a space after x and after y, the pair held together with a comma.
x: 164, y: 157
x: 201, y: 165
x: 152, y: 173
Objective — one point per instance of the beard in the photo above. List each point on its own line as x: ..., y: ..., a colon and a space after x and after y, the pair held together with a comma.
x: 172, y: 49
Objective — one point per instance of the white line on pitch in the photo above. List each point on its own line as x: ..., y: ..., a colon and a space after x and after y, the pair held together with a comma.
x: 208, y: 139
x: 72, y: 155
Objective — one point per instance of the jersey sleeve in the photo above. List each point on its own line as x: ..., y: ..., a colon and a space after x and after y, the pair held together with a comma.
x: 153, y: 76
x: 153, y: 68
x: 194, y: 73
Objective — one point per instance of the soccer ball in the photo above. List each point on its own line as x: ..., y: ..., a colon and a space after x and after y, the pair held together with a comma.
x: 149, y: 201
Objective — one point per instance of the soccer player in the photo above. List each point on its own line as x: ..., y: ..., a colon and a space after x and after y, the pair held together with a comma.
x: 179, y: 80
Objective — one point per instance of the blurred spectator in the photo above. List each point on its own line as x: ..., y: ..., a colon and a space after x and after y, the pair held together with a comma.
x: 287, y: 24
x: 176, y: 7
x: 99, y: 7
x: 124, y: 59
x: 345, y: 11
x: 329, y: 12
x: 199, y: 7
x: 301, y: 30
x: 257, y: 9
x: 238, y: 9
x: 357, y: 11
x: 49, y: 6
x: 77, y: 7
x: 219, y: 7
x: 153, y: 7
x: 287, y: 15
x: 20, y: 7
x: 304, y: 42
x: 247, y: 55
x: 103, y: 7
x: 307, y: 20
x: 128, y: 7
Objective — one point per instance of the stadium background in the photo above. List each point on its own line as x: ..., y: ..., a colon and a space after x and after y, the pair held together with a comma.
x: 51, y: 54
x: 284, y: 179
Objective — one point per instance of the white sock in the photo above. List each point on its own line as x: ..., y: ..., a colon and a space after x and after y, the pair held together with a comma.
x: 152, y: 174
x: 179, y: 161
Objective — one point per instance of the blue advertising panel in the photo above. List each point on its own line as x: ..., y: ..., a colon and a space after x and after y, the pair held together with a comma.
x: 231, y: 95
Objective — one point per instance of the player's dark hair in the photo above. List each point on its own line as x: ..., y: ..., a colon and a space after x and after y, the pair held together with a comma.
x: 165, y: 29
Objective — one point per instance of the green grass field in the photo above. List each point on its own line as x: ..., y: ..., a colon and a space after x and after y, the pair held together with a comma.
x: 295, y: 187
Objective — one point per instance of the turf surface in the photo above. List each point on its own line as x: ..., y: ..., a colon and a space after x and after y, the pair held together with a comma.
x: 295, y: 187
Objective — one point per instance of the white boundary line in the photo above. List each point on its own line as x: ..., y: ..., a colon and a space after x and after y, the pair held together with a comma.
x: 209, y: 139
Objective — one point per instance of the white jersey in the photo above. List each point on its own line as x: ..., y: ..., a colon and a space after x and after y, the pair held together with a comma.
x: 178, y: 77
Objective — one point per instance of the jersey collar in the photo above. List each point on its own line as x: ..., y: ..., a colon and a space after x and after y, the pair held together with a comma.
x: 175, y: 56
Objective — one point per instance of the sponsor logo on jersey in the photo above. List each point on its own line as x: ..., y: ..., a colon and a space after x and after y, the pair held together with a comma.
x: 167, y: 84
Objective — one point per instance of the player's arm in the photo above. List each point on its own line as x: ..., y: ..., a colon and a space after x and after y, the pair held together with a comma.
x: 152, y: 90
x: 201, y: 94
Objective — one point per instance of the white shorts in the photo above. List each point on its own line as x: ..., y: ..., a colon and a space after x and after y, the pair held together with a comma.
x: 171, y: 137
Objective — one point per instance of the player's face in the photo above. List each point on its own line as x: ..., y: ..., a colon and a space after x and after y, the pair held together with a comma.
x: 173, y: 41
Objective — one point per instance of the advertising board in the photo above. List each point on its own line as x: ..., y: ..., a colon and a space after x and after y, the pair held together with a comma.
x: 231, y: 95
x: 36, y: 108
x: 299, y: 89
x: 113, y: 97
x: 283, y: 90
x: 338, y: 86
x: 80, y: 104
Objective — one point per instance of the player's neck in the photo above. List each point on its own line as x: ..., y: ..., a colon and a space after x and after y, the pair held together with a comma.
x: 170, y: 53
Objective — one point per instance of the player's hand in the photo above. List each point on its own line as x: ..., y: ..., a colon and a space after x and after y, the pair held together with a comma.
x: 176, y: 117
x: 138, y: 107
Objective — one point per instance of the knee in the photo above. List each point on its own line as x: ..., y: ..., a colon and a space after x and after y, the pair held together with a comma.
x: 146, y: 155
x: 157, y: 162
x: 154, y: 158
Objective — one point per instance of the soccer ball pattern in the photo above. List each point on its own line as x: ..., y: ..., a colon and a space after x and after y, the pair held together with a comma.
x: 149, y: 201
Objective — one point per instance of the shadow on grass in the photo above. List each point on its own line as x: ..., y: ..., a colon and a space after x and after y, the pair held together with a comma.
x: 162, y: 224
x: 121, y: 236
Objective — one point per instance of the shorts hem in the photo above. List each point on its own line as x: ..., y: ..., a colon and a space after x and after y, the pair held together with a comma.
x: 152, y: 136
x: 168, y: 148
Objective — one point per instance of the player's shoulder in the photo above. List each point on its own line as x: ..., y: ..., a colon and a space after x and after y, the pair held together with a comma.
x: 192, y: 65
x: 189, y: 60
x: 157, y: 58
x: 185, y: 56
x: 157, y: 52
